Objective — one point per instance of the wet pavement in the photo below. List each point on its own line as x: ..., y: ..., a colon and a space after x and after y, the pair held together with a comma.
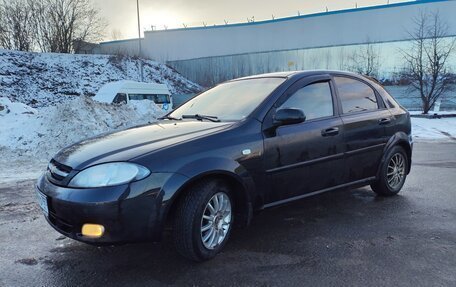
x: 342, y: 238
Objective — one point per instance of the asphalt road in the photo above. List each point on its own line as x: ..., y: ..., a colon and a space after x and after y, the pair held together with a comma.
x: 343, y: 238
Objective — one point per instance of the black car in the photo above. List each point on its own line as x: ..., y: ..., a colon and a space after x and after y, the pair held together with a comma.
x: 244, y: 145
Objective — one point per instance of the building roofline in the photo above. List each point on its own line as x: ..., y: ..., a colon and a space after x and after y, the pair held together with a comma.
x: 319, y: 14
x: 120, y: 41
x: 401, y: 4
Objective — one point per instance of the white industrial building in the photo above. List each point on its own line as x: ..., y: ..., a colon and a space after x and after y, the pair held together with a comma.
x: 212, y: 54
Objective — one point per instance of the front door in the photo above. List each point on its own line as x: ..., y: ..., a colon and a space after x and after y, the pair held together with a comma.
x: 305, y: 157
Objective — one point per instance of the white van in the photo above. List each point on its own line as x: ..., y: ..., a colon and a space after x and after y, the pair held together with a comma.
x: 125, y: 91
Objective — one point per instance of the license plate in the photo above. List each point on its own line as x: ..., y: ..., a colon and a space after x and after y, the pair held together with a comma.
x: 42, y: 201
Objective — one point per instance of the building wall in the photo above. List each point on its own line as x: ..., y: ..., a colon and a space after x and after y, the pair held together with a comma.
x: 212, y: 70
x: 378, y: 24
x: 123, y: 47
x: 208, y: 55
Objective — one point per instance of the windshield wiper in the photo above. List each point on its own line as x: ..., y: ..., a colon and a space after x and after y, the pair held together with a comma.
x: 169, y: 118
x: 201, y: 117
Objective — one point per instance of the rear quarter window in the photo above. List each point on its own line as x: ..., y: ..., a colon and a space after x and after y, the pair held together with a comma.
x: 390, y: 102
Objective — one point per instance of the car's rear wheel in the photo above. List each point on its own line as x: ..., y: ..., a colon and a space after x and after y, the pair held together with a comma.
x: 203, y: 220
x: 393, y: 173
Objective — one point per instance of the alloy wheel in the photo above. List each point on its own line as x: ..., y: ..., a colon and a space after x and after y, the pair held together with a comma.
x: 396, y: 170
x: 216, y: 220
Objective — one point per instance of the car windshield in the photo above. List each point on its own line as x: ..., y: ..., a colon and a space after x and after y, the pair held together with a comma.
x: 231, y: 101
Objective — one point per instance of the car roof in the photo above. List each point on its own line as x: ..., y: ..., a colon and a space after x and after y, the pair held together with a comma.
x: 109, y: 90
x: 303, y: 73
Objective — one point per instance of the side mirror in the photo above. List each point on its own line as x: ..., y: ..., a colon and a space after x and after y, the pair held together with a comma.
x: 288, y: 116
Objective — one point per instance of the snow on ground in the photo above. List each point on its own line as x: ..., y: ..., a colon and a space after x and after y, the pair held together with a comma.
x: 43, y: 79
x: 443, y: 129
x: 30, y: 137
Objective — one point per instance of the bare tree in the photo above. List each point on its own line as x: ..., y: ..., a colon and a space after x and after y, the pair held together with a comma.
x: 16, y: 25
x: 366, y: 60
x: 61, y: 23
x: 427, y: 68
x: 116, y: 34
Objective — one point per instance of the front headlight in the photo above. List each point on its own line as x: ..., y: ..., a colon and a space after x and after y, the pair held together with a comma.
x: 109, y: 174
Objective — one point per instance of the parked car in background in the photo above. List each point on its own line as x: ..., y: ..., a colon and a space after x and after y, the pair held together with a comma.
x: 126, y: 91
x: 244, y: 145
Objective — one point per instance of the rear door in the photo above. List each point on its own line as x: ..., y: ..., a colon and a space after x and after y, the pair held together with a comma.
x: 365, y: 117
x: 305, y: 157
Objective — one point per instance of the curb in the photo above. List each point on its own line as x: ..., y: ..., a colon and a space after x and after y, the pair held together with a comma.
x: 434, y: 116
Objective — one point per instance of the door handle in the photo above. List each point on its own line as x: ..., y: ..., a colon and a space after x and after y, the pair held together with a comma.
x: 330, y: 132
x: 384, y: 121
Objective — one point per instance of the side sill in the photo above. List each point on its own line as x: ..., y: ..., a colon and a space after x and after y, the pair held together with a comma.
x: 345, y: 185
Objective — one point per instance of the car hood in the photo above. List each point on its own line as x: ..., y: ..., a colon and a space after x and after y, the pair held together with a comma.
x: 128, y: 144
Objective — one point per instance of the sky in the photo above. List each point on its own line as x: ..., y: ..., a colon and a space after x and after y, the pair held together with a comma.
x: 120, y: 15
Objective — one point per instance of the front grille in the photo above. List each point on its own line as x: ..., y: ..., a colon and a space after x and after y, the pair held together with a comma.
x: 58, y: 171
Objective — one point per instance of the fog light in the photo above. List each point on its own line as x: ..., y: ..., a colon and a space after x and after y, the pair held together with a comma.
x: 92, y: 230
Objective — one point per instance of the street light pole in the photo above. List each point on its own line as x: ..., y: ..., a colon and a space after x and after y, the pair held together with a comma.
x: 139, y: 43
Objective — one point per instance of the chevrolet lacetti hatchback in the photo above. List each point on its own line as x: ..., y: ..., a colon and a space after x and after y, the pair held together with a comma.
x: 244, y: 145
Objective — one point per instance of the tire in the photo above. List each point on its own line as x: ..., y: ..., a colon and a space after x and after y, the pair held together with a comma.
x: 393, y: 173
x: 190, y: 240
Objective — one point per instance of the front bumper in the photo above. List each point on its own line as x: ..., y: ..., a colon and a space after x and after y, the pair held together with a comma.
x: 129, y: 213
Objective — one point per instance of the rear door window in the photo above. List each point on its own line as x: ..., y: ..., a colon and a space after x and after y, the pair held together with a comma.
x: 355, y: 95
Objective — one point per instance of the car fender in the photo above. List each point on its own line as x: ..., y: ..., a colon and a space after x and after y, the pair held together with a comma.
x: 204, y: 167
x: 399, y: 138
x: 218, y: 166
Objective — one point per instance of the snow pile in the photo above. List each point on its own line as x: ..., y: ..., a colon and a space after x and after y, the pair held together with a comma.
x: 14, y: 109
x: 40, y: 133
x: 43, y: 79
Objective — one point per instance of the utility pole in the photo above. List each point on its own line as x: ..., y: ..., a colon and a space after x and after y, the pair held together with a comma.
x: 139, y: 44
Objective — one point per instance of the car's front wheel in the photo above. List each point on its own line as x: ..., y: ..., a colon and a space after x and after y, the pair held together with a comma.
x: 203, y: 220
x: 392, y: 173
